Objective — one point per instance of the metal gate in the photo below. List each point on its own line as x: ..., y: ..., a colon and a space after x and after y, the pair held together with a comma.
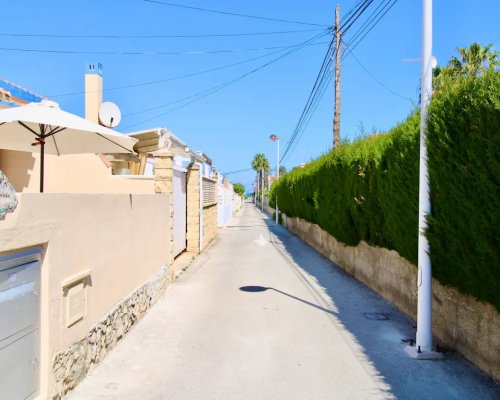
x: 19, y: 325
x: 180, y: 211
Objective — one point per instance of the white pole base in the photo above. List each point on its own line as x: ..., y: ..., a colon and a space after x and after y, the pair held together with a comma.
x: 412, y: 351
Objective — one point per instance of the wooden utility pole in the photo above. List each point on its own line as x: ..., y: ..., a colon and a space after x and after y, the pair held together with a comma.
x: 336, y: 116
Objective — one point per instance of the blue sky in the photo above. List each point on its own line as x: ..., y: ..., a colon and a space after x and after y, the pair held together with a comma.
x: 234, y: 123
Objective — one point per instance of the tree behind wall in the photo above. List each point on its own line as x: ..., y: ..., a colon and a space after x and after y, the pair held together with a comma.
x: 239, y: 189
x: 261, y: 165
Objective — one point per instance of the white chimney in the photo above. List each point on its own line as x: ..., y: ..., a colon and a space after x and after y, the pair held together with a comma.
x: 93, y: 92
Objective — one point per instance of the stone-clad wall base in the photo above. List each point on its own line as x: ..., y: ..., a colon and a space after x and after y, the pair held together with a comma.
x: 72, y: 365
x: 209, y: 224
x: 459, y: 321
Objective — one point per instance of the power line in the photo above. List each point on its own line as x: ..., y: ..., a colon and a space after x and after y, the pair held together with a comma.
x: 355, y: 15
x: 378, y: 81
x: 201, y: 95
x: 319, y: 83
x: 306, y: 118
x: 237, y: 171
x: 369, y: 24
x: 373, y: 12
x: 178, y: 36
x: 352, y: 10
x: 321, y: 86
x: 158, y: 81
x: 315, y: 96
x: 168, y: 4
x: 313, y: 108
x: 147, y: 53
x: 295, y: 48
x: 325, y: 73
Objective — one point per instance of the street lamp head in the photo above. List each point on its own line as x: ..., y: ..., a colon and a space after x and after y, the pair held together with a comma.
x: 274, y: 138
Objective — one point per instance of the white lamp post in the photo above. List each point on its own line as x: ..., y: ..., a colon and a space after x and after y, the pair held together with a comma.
x: 262, y: 189
x: 423, y: 347
x: 276, y: 139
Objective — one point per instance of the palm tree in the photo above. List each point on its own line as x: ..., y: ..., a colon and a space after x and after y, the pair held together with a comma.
x: 260, y: 164
x: 472, y: 61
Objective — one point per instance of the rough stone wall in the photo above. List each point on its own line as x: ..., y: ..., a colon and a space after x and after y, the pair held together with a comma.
x: 209, y: 224
x: 193, y: 209
x: 71, y: 366
x: 459, y: 321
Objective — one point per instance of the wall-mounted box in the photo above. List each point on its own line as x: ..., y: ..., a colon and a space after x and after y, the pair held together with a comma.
x: 75, y: 297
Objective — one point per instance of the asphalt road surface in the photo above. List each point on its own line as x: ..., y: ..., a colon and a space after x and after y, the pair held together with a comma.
x: 261, y: 315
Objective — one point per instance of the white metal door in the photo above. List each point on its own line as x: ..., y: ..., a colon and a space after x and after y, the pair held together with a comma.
x: 19, y: 325
x: 180, y: 211
x: 220, y: 206
x: 224, y: 205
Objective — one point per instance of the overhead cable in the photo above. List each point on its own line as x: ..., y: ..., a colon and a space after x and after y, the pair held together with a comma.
x: 234, y: 14
x: 323, y: 78
x: 311, y: 100
x: 201, y: 95
x: 147, y: 53
x: 294, y: 48
x: 346, y: 24
x: 322, y: 81
x: 368, y: 26
x: 151, y: 36
x: 237, y: 171
x: 378, y: 81
x: 276, y: 50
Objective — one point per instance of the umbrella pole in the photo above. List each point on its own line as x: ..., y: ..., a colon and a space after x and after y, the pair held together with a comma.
x: 42, y: 160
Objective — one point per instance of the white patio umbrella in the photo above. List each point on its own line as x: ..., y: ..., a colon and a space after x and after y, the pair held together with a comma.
x: 43, y: 127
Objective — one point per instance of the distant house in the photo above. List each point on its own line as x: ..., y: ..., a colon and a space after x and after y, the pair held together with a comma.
x: 12, y: 95
x: 161, y: 139
x: 271, y: 179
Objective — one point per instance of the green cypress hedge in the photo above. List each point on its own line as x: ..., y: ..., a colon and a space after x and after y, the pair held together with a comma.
x: 368, y: 190
x: 464, y: 172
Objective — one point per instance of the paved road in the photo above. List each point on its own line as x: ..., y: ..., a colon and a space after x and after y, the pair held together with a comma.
x: 298, y: 332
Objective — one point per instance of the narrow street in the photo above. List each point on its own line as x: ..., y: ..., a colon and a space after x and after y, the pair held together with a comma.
x: 261, y: 315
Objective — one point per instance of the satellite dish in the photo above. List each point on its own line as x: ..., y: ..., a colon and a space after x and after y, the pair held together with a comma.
x: 109, y: 114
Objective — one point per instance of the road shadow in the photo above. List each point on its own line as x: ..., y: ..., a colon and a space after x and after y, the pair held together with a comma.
x: 379, y: 331
x: 257, y: 289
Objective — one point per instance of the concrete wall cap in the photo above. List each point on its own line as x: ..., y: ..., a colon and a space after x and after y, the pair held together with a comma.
x: 162, y: 153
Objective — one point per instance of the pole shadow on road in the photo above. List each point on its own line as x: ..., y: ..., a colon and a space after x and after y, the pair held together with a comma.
x: 256, y: 289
